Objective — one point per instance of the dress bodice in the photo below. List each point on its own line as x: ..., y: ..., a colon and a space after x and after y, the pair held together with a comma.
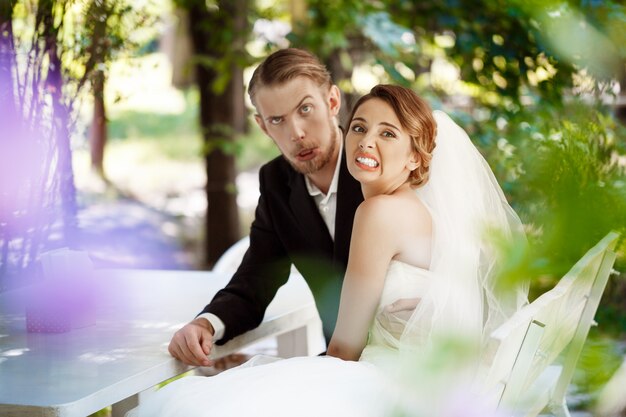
x: 402, y: 281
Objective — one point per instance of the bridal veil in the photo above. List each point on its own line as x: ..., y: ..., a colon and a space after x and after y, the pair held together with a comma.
x: 465, y: 201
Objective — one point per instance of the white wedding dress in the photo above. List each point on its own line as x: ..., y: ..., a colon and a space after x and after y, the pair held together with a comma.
x: 458, y: 301
x: 305, y: 386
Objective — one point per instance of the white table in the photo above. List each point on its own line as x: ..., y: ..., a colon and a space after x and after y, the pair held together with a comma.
x: 82, y: 371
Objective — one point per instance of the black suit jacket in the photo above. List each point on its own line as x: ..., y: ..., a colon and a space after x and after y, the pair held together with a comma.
x: 288, y: 228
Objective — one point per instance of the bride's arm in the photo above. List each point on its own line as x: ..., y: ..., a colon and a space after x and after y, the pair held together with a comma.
x: 374, y: 243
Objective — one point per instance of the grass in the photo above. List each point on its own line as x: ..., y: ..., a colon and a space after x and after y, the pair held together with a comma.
x: 171, y: 135
x: 177, y: 136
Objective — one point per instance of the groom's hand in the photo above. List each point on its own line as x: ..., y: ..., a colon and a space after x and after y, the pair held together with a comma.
x: 404, y: 307
x: 192, y: 344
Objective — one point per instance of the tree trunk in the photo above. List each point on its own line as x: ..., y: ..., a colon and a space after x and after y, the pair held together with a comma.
x: 298, y: 11
x: 60, y: 128
x: 339, y: 73
x: 99, y: 14
x: 220, y: 35
x: 98, y: 133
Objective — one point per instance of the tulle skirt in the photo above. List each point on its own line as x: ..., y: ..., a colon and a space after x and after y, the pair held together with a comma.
x: 304, y: 386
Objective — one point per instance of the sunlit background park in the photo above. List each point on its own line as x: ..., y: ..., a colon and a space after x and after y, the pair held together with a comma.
x: 126, y: 131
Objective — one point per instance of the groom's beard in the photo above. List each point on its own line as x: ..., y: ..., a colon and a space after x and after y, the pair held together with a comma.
x: 314, y: 165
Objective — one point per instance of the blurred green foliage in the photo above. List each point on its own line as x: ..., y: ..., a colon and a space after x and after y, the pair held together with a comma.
x: 82, y: 46
x: 598, y: 361
x: 560, y: 166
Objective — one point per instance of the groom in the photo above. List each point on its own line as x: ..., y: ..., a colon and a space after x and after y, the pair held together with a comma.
x: 305, y: 211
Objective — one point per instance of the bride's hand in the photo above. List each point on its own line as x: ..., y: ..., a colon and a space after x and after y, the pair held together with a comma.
x: 192, y: 344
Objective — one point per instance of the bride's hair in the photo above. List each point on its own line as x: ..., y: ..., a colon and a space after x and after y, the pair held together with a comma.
x: 416, y: 117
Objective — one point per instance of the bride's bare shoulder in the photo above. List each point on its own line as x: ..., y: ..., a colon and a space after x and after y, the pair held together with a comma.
x: 396, y: 211
x: 395, y: 226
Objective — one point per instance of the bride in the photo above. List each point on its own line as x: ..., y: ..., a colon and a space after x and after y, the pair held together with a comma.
x: 418, y: 235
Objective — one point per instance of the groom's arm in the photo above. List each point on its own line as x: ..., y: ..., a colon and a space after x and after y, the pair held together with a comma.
x: 264, y: 269
x: 241, y: 305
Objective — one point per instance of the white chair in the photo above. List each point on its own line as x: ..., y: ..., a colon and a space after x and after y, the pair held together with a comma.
x: 228, y: 263
x: 534, y: 354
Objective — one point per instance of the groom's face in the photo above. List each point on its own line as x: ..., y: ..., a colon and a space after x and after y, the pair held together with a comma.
x: 299, y: 116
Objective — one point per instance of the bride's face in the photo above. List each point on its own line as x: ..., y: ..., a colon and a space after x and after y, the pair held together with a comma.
x: 378, y: 149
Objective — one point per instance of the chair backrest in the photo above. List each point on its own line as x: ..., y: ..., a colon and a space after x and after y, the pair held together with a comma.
x: 230, y: 260
x: 532, y: 357
x: 228, y: 263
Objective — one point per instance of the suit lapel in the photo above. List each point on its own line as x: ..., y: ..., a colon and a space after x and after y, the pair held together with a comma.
x: 310, y: 222
x: 308, y: 216
x: 349, y: 196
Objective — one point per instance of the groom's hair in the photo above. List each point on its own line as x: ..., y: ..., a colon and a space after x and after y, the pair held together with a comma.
x: 283, y: 66
x: 416, y: 117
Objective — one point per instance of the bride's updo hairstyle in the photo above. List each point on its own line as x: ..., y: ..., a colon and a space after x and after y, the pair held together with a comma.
x: 416, y: 117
